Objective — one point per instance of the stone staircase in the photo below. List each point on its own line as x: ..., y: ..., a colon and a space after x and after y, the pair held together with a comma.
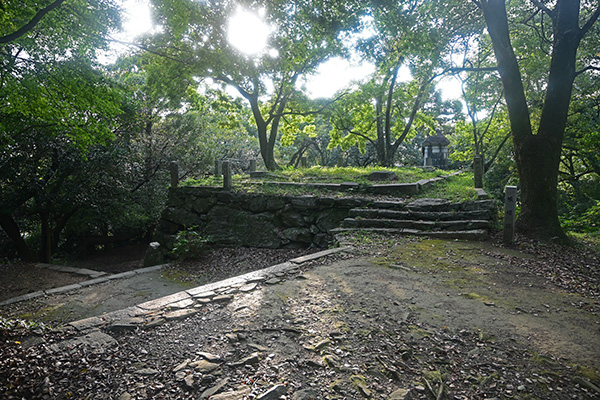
x: 424, y: 217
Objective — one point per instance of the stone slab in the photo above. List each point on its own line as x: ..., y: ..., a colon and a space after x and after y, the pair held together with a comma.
x: 23, y: 297
x: 201, y: 292
x: 397, y: 188
x: 63, y: 289
x: 121, y: 275
x: 93, y: 282
x: 179, y: 314
x: 91, y: 273
x: 87, y: 323
x: 481, y: 194
x: 150, y: 269
x: 95, y: 342
x: 182, y: 304
x: 164, y: 301
x: 397, y: 205
x: 72, y: 270
x: 320, y: 254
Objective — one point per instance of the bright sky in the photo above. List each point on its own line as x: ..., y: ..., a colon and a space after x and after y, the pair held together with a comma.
x: 248, y: 34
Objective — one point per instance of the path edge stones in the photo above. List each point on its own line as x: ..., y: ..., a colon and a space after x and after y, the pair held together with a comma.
x: 177, y: 306
x: 98, y: 277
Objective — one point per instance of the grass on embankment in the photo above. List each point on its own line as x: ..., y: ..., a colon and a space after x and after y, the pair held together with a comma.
x: 455, y: 188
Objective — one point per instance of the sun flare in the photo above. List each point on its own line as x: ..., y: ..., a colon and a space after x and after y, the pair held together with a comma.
x: 248, y: 32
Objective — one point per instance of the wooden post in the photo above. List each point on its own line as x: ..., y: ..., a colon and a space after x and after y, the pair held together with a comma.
x: 478, y: 171
x: 304, y: 162
x: 174, y: 169
x: 227, y: 181
x: 252, y: 165
x: 218, y: 168
x: 510, y: 207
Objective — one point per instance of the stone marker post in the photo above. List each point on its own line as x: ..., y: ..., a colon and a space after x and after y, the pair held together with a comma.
x: 340, y: 161
x: 174, y: 169
x: 252, y: 165
x: 510, y: 206
x: 227, y: 181
x: 304, y: 162
x: 218, y: 168
x: 478, y: 171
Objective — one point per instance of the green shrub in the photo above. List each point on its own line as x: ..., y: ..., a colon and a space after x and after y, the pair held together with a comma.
x: 587, y: 222
x: 189, y: 244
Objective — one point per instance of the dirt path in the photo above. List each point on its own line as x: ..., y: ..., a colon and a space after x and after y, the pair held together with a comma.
x: 410, y: 321
x: 462, y: 285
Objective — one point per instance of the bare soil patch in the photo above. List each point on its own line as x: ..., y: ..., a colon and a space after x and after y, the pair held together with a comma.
x: 22, y: 278
x: 397, y: 319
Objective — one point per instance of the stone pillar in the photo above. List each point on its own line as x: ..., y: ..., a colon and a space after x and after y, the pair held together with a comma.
x: 510, y: 207
x: 218, y: 168
x: 478, y: 171
x: 304, y: 162
x: 252, y: 165
x: 174, y: 169
x: 227, y: 181
x: 340, y: 161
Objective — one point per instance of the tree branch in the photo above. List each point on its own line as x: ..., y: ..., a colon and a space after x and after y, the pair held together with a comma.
x: 225, y: 79
x: 588, y: 68
x: 545, y: 9
x: 31, y: 24
x: 472, y: 69
x: 145, y: 48
x: 491, y: 161
x: 590, y: 22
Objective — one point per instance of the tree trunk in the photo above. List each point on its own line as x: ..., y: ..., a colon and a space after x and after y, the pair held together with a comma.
x: 380, y: 144
x: 11, y: 228
x: 537, y: 162
x: 538, y: 156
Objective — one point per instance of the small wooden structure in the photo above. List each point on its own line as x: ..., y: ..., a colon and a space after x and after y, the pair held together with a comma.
x: 435, y: 150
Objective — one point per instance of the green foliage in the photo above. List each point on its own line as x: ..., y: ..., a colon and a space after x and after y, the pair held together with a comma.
x: 455, y: 188
x: 189, y: 244
x: 587, y: 222
x: 353, y: 174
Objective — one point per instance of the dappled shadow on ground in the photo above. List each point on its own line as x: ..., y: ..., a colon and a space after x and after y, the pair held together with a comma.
x: 409, y: 320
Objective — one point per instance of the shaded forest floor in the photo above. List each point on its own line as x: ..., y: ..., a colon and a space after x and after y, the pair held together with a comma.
x: 398, y: 318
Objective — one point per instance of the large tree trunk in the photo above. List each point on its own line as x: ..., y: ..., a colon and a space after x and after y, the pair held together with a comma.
x: 11, y: 228
x: 538, y: 156
x: 537, y: 162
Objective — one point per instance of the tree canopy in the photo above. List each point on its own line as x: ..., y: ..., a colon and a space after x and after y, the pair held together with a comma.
x: 79, y: 139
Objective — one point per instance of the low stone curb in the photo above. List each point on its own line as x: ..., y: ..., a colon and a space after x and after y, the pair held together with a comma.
x: 73, y: 270
x: 75, y: 286
x: 188, y: 302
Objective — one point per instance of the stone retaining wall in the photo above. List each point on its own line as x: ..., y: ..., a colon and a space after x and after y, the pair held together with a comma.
x: 253, y: 220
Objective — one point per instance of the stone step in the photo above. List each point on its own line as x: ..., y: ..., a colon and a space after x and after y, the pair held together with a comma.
x: 374, y: 213
x: 419, y: 225
x: 444, y: 205
x: 473, y: 234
